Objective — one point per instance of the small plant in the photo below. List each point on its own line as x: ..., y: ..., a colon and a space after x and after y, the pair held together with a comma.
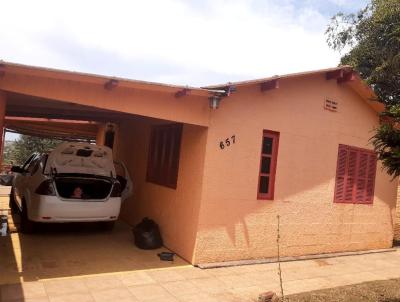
x: 278, y: 236
x: 271, y: 296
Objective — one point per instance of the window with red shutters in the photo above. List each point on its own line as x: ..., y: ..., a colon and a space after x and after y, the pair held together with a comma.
x: 269, y: 153
x: 163, y: 158
x: 355, y: 175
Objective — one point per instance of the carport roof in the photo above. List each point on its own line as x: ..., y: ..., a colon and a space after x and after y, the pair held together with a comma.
x: 102, y: 79
x: 55, y: 128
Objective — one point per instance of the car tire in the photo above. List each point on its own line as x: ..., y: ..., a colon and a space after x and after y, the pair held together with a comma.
x: 27, y: 226
x: 12, y: 204
x: 107, y: 225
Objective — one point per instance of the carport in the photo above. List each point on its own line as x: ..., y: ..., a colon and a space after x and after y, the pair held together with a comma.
x: 142, y: 115
x: 53, y: 128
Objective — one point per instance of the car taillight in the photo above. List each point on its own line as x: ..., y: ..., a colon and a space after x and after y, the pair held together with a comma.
x: 116, y: 190
x: 46, y: 188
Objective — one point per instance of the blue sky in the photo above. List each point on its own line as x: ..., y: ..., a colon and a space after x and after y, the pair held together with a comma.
x: 330, y: 7
x: 184, y: 42
x: 174, y: 41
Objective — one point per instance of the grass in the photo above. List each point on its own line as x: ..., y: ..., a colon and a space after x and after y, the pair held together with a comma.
x: 375, y: 291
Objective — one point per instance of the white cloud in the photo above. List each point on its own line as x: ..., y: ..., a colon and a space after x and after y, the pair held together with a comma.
x: 232, y: 39
x: 339, y: 2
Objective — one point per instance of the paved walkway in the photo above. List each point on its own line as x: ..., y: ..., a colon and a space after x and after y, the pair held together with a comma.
x: 242, y: 283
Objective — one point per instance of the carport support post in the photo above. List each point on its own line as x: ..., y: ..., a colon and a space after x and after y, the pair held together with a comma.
x: 100, y: 134
x: 3, y: 103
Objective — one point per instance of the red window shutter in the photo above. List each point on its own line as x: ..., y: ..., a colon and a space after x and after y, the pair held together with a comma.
x: 355, y: 175
x: 351, y: 175
x: 361, y: 183
x: 341, y: 174
x: 371, y: 172
x: 163, y: 158
x: 164, y: 151
x: 176, y: 145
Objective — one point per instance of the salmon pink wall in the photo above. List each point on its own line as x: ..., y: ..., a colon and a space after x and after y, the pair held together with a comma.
x: 214, y: 214
x: 176, y: 211
x: 189, y: 109
x: 397, y: 218
x: 234, y: 225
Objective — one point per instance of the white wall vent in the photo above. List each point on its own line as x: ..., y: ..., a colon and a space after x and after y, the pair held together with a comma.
x: 330, y: 105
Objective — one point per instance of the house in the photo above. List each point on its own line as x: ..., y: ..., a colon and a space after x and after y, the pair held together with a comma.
x: 215, y: 166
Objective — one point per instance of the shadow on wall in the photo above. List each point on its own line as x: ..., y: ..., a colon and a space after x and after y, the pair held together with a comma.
x: 239, y: 228
x: 235, y: 225
x: 175, y: 210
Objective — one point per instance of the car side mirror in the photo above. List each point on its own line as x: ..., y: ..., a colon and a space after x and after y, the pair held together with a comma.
x: 17, y: 169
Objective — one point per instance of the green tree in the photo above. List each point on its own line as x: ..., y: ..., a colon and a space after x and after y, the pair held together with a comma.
x: 25, y: 145
x: 8, y: 152
x: 371, y: 42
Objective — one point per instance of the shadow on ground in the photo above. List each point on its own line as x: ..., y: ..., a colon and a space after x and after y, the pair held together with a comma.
x: 67, y: 250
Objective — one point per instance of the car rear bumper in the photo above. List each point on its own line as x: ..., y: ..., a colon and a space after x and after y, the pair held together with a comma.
x: 54, y: 209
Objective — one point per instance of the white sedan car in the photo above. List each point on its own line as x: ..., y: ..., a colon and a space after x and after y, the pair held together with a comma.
x: 76, y: 182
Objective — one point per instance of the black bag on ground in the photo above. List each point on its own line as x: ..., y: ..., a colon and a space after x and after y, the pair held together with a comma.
x: 147, y: 235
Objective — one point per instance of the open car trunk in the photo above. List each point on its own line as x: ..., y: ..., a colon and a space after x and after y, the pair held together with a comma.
x: 82, y: 158
x: 88, y: 187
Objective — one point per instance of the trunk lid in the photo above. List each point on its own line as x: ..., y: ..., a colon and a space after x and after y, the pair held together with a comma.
x: 81, y: 158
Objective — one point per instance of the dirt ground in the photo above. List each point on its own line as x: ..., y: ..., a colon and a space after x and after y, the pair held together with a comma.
x: 376, y: 291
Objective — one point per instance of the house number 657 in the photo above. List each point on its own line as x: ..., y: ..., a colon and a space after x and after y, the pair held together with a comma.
x: 227, y: 142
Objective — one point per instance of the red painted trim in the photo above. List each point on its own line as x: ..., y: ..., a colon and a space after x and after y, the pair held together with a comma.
x: 181, y: 93
x: 272, y: 173
x: 163, y: 155
x: 356, y: 177
x: 2, y: 69
x: 273, y: 84
x: 349, y: 76
x: 336, y: 74
x: 111, y: 84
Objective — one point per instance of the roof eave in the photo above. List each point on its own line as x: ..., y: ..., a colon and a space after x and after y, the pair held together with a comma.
x: 356, y: 84
x: 8, y: 67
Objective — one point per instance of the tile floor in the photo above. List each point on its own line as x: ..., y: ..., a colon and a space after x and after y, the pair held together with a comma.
x: 186, y: 283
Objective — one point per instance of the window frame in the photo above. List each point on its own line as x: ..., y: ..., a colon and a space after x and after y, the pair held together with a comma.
x: 274, y: 135
x: 26, y: 164
x: 158, y: 171
x: 356, y: 176
x: 33, y: 164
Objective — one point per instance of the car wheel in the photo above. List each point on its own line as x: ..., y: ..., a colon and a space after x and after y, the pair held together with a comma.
x: 27, y: 226
x: 107, y: 225
x: 12, y: 204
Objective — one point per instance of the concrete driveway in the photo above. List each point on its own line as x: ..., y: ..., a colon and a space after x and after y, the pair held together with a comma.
x: 58, y: 251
